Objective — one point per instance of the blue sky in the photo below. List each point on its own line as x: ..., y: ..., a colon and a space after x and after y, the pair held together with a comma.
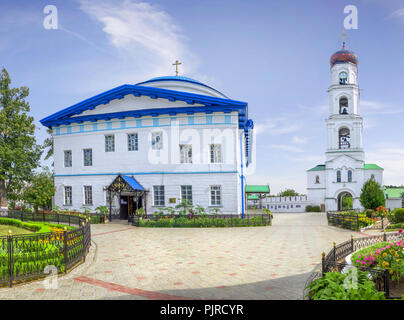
x: 272, y: 54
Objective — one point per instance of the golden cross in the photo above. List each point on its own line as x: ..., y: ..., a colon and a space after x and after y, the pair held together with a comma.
x: 343, y: 38
x: 176, y: 64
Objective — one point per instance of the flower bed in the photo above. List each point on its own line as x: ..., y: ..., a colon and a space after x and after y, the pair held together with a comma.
x: 387, y: 256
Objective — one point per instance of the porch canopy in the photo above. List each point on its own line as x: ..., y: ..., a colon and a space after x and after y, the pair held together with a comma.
x: 125, y: 185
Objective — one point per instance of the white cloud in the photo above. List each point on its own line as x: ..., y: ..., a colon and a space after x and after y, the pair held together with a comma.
x: 299, y: 140
x: 399, y: 13
x: 142, y: 32
x: 377, y: 108
x: 286, y: 147
x: 277, y: 126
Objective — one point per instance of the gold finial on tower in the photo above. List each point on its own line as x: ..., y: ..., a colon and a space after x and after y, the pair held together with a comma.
x: 176, y: 64
x: 343, y: 39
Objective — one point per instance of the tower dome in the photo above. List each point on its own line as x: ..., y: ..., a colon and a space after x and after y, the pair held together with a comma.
x: 344, y: 56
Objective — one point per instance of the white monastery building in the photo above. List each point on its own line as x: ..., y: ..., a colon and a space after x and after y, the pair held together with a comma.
x: 345, y: 170
x: 150, y: 145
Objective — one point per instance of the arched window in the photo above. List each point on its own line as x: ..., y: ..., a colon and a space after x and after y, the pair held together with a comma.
x: 372, y: 177
x: 344, y: 138
x: 343, y: 105
x: 349, y: 176
x: 338, y: 176
x: 343, y: 78
x: 317, y: 179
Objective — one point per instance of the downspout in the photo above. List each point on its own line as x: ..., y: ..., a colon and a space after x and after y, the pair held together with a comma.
x: 242, y: 176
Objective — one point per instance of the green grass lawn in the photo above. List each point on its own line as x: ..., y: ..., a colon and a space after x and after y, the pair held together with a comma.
x: 4, y: 230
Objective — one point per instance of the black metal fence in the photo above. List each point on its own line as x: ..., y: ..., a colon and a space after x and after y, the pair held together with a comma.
x: 335, y: 259
x: 353, y: 221
x: 28, y: 256
x: 228, y: 219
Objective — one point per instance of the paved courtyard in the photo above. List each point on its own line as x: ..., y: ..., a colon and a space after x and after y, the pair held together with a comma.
x: 126, y: 262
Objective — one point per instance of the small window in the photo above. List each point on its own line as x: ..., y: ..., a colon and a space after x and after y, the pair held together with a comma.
x: 186, y: 193
x: 88, y: 195
x: 68, y: 158
x: 215, y: 195
x: 344, y: 138
x: 317, y: 179
x: 157, y: 140
x: 343, y: 105
x: 109, y: 143
x: 338, y: 176
x: 68, y: 196
x: 158, y: 192
x: 372, y: 177
x: 132, y: 142
x: 343, y: 78
x: 88, y: 157
x: 215, y: 153
x: 349, y: 176
x: 185, y: 153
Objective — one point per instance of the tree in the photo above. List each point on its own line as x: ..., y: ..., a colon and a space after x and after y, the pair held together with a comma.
x: 48, y: 144
x: 19, y: 152
x: 372, y: 195
x: 288, y: 193
x: 40, y: 191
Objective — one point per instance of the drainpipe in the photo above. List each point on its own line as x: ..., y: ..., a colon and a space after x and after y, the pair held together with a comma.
x: 242, y: 176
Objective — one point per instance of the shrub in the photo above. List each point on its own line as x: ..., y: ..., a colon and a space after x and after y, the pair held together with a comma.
x: 310, y: 208
x: 332, y: 287
x: 398, y: 215
x: 372, y: 195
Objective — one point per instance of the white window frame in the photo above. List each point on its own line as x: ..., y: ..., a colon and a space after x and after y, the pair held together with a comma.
x: 84, y: 157
x: 85, y: 196
x: 66, y: 203
x: 215, y: 188
x: 109, y: 145
x: 156, y: 193
x: 215, y: 153
x: 70, y: 164
x: 188, y: 193
x: 133, y: 145
x: 185, y: 153
x: 157, y: 144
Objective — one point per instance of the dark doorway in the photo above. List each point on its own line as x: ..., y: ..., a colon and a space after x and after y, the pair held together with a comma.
x: 345, y: 201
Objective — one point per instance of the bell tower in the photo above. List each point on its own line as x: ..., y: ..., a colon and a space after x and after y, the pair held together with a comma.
x: 344, y: 124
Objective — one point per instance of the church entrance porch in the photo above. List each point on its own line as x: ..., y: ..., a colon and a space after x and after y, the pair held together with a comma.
x: 131, y: 195
x: 345, y: 201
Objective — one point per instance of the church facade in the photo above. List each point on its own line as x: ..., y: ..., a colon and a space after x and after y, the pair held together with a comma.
x: 344, y: 171
x: 149, y: 146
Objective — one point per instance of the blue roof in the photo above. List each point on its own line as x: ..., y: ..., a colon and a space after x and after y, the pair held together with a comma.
x: 133, y: 183
x: 179, y: 78
x: 210, y: 104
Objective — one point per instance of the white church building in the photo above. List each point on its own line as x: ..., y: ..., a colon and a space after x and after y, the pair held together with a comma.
x: 152, y: 144
x: 345, y: 170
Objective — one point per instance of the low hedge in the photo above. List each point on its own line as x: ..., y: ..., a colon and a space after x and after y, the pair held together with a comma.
x: 38, y: 227
x: 313, y: 209
x: 183, y: 222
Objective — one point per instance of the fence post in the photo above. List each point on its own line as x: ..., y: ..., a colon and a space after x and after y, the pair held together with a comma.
x: 10, y: 257
x: 387, y: 283
x: 335, y: 253
x: 352, y: 243
x: 323, y: 264
x: 357, y: 222
x: 382, y: 223
x: 384, y: 236
x: 65, y: 249
x: 83, y: 225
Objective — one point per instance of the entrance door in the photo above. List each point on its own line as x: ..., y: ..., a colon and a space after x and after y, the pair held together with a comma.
x: 124, y: 208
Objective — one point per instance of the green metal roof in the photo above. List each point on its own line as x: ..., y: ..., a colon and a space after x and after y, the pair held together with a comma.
x: 394, y: 192
x: 257, y: 189
x: 320, y: 167
x: 372, y: 166
x: 252, y: 197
